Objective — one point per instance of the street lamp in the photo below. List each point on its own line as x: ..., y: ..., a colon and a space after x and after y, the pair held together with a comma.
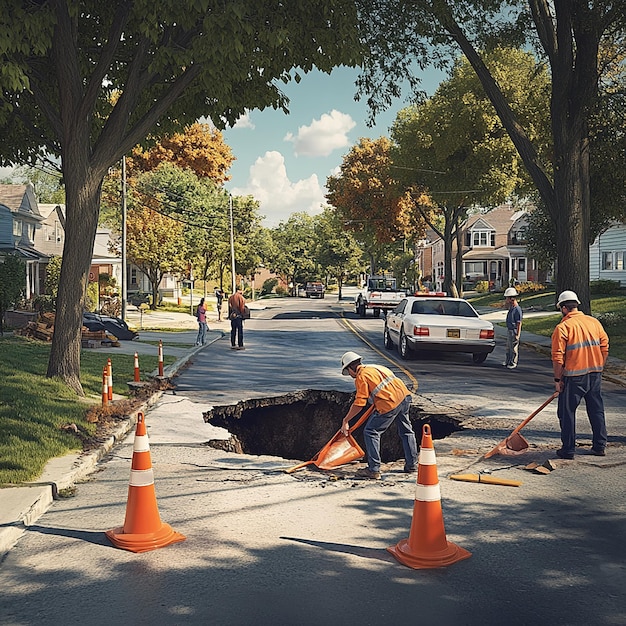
x: 232, y: 241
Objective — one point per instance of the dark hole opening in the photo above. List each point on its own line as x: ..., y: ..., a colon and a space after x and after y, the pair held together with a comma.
x: 296, y: 426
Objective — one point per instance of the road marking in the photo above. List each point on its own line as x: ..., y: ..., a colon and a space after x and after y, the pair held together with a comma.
x: 406, y: 372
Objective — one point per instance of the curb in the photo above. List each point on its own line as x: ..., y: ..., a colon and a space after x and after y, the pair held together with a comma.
x: 28, y: 502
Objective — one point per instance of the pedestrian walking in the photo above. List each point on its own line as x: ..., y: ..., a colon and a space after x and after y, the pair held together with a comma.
x: 236, y: 304
x: 202, y: 325
x: 219, y: 297
x: 513, y: 328
x: 379, y: 385
x: 580, y: 347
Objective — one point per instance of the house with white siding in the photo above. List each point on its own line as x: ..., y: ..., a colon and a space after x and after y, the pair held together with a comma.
x: 607, y: 255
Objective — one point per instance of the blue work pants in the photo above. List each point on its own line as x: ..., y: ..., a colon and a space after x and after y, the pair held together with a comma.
x: 575, y: 388
x: 236, y: 331
x: 377, y: 424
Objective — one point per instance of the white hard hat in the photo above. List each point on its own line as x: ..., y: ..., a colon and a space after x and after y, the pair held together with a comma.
x: 567, y: 296
x: 347, y: 359
x: 511, y: 292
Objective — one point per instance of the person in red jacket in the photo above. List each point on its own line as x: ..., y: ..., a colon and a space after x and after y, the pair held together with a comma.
x: 580, y: 347
x: 236, y: 304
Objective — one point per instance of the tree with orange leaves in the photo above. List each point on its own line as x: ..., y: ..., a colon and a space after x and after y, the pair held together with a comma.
x: 373, y: 205
x: 200, y: 148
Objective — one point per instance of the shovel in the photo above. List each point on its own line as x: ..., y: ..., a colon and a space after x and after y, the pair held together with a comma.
x: 341, y: 449
x: 515, y: 443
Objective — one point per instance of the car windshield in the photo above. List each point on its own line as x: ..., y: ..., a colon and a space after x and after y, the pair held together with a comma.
x: 457, y: 308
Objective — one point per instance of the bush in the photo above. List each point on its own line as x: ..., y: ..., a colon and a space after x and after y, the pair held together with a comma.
x: 268, y: 286
x: 281, y: 291
x: 530, y: 287
x: 604, y: 286
x: 482, y: 286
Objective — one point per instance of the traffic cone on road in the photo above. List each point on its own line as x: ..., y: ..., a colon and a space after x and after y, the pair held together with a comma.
x: 427, y: 546
x: 137, y: 377
x: 110, y: 379
x: 160, y: 358
x: 105, y: 387
x: 143, y: 529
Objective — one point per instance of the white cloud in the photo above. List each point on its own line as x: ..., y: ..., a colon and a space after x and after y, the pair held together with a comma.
x: 279, y: 197
x: 322, y: 136
x: 244, y: 121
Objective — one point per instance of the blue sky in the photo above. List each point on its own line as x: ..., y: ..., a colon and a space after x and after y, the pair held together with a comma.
x: 284, y: 160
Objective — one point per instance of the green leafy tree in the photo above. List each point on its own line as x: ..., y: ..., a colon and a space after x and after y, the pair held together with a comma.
x: 12, y: 284
x: 155, y: 242
x: 336, y: 251
x: 88, y: 81
x: 294, y: 249
x: 404, y: 37
x: 47, y: 181
x: 454, y: 145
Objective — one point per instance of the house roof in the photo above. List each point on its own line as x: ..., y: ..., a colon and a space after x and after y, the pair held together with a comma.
x: 20, y: 199
x: 501, y: 219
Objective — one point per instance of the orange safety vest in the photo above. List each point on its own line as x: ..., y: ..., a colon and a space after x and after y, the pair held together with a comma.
x: 580, y: 344
x: 378, y: 385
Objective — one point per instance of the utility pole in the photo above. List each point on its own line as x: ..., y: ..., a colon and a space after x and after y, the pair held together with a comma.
x: 232, y: 243
x: 124, y: 281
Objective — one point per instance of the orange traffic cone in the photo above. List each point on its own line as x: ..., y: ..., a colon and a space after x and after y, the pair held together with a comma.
x: 137, y: 377
x: 143, y: 529
x: 110, y: 378
x: 105, y: 387
x: 160, y: 358
x: 427, y: 546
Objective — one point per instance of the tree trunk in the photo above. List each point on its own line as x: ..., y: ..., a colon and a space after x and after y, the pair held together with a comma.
x: 82, y: 204
x: 573, y: 207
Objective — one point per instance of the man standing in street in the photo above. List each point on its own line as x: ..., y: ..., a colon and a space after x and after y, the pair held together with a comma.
x: 513, y: 328
x: 236, y: 304
x: 580, y: 347
x: 378, y: 385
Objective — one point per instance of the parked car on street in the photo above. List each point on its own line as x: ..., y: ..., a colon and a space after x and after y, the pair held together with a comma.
x: 439, y: 324
x: 314, y: 290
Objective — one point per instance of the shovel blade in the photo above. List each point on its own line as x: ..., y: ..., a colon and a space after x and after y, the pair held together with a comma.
x: 513, y: 444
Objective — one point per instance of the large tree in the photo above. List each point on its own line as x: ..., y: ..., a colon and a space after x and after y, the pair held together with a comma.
x: 88, y: 80
x: 454, y: 145
x: 407, y: 35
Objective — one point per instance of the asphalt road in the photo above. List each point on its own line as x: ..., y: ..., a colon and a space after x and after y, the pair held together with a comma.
x: 266, y: 547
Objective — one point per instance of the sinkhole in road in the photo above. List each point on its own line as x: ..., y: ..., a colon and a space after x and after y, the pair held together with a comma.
x: 297, y: 425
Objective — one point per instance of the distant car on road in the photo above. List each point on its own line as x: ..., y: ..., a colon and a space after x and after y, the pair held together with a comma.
x: 314, y: 290
x: 439, y: 324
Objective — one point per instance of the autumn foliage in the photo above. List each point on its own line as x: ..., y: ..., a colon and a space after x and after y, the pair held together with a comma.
x: 200, y: 148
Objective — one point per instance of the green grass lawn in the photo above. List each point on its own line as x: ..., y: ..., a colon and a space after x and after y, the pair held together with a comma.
x: 34, y: 409
x: 609, y: 309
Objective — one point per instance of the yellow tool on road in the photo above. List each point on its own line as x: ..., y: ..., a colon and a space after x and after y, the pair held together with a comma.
x: 483, y: 478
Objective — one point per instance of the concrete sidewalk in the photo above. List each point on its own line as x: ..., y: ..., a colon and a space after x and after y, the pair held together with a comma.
x: 21, y: 506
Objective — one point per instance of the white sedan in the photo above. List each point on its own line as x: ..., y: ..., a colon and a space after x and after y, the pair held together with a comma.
x: 438, y: 323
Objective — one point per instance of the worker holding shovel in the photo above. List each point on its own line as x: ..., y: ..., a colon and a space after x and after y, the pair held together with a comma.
x: 379, y: 386
x: 580, y: 347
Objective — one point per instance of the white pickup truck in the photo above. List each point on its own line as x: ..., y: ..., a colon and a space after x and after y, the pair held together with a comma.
x: 380, y: 294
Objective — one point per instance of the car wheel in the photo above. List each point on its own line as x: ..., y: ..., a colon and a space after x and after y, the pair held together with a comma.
x: 388, y: 342
x: 403, y: 346
x: 479, y: 357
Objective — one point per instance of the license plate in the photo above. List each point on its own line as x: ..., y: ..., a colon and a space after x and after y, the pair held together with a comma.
x: 454, y: 333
